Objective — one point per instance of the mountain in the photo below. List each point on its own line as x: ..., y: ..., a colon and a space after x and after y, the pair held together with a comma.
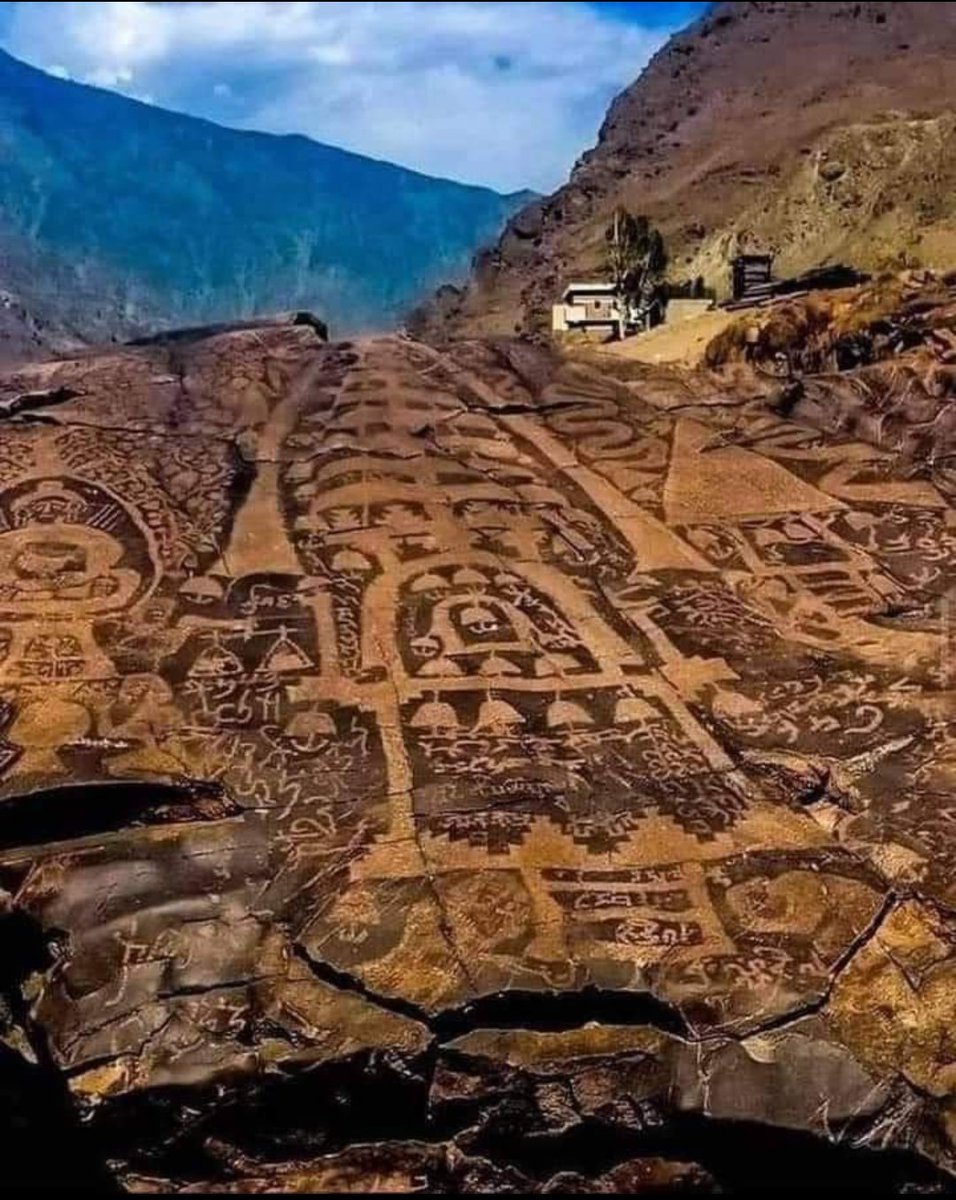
x: 822, y: 131
x: 115, y: 214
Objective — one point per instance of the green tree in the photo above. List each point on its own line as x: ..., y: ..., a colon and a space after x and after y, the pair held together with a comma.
x: 636, y: 259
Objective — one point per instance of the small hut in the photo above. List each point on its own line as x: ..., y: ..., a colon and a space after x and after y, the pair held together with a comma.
x: 752, y: 276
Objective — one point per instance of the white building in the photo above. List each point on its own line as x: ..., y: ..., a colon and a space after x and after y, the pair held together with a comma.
x: 588, y: 305
x: 595, y: 305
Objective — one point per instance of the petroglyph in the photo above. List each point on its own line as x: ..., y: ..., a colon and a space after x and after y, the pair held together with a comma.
x: 501, y: 687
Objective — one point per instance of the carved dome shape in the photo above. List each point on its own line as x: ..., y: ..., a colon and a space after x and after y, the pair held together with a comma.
x: 427, y: 645
x: 435, y: 714
x: 351, y: 562
x: 429, y: 583
x: 439, y: 668
x: 495, y: 664
x: 565, y: 714
x: 478, y: 620
x: 498, y: 715
x: 469, y: 577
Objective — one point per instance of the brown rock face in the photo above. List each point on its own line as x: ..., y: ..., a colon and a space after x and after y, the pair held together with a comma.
x: 455, y: 771
x: 821, y: 131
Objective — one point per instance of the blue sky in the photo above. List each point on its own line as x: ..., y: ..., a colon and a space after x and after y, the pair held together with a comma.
x: 499, y: 92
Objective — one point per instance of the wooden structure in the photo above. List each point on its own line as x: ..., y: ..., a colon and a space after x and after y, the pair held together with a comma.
x: 752, y: 276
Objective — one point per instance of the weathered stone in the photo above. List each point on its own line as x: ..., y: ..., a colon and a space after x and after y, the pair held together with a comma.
x: 457, y: 771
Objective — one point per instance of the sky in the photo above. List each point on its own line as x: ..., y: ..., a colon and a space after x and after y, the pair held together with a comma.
x: 504, y: 93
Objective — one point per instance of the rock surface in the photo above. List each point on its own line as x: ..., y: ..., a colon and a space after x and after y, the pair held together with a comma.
x: 462, y: 771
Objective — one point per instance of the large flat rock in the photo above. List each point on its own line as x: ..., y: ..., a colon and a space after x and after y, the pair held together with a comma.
x: 457, y: 771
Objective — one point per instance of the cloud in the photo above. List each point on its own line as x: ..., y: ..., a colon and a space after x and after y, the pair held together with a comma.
x: 110, y: 77
x: 498, y: 92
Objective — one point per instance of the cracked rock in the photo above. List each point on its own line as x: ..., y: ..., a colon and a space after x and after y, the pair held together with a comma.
x: 453, y: 771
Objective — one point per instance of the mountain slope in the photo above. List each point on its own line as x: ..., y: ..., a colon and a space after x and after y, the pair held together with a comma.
x: 823, y: 131
x: 114, y: 213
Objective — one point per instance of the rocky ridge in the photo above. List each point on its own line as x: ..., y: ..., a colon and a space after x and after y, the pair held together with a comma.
x: 820, y: 131
x: 117, y: 216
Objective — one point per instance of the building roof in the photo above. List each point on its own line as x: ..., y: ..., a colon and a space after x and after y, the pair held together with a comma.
x: 590, y: 285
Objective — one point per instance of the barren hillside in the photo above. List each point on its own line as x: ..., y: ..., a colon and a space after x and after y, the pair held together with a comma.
x: 824, y: 131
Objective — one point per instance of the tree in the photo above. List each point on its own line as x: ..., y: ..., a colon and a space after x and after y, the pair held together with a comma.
x: 636, y: 260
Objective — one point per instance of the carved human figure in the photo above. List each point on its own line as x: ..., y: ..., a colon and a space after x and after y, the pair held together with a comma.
x: 69, y: 554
